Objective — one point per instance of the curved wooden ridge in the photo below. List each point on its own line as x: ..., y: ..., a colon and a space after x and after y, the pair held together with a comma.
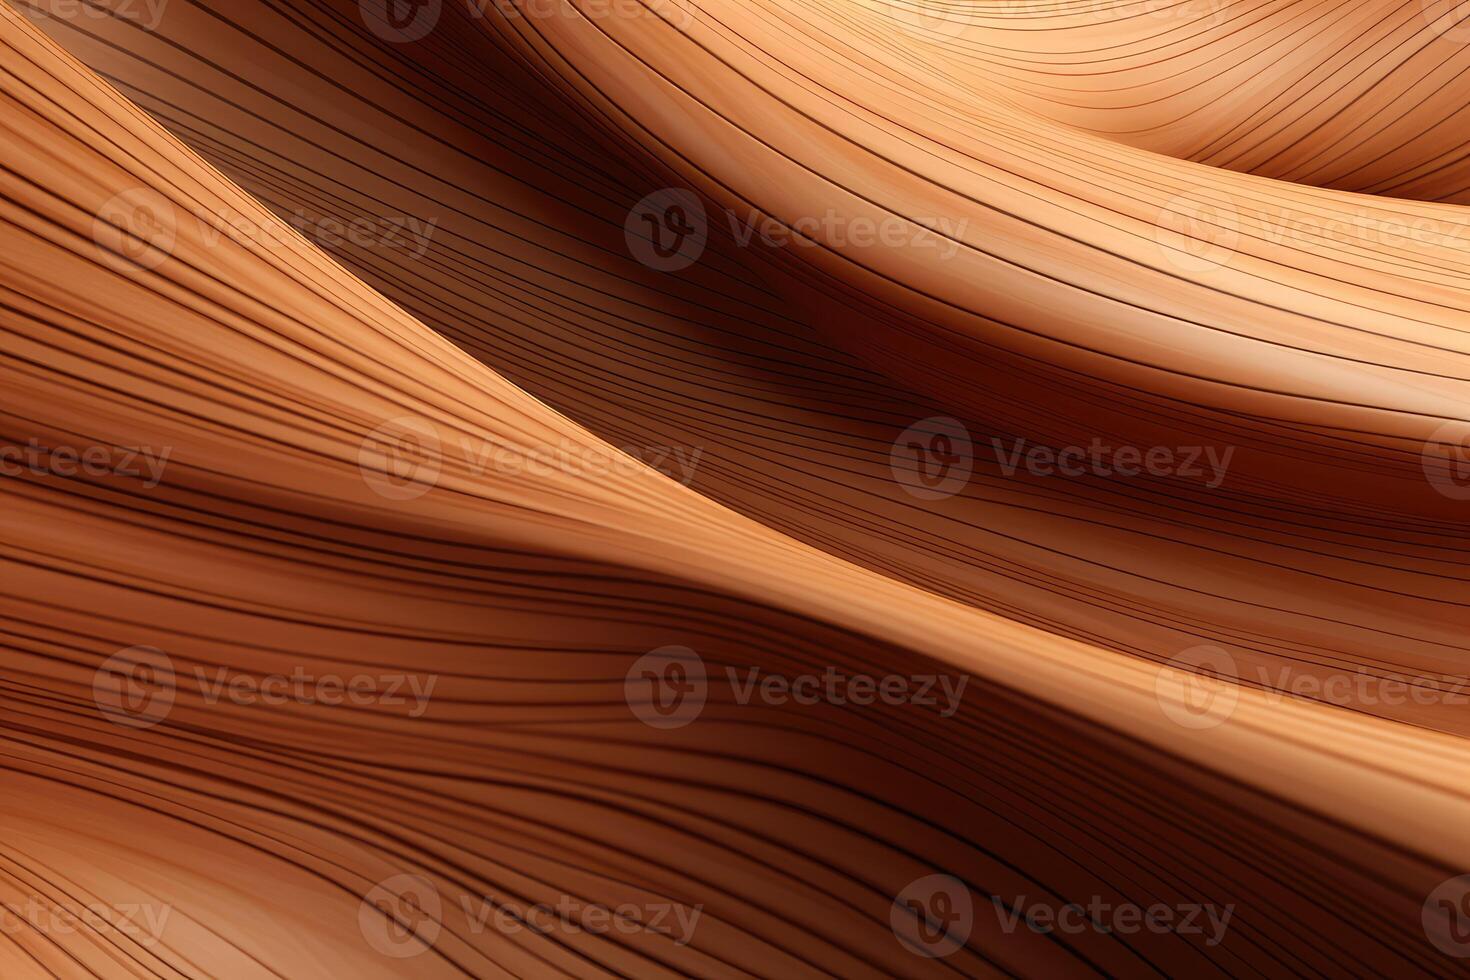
x: 726, y: 488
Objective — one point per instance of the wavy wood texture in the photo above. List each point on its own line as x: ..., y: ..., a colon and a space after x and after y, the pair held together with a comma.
x: 1231, y: 228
